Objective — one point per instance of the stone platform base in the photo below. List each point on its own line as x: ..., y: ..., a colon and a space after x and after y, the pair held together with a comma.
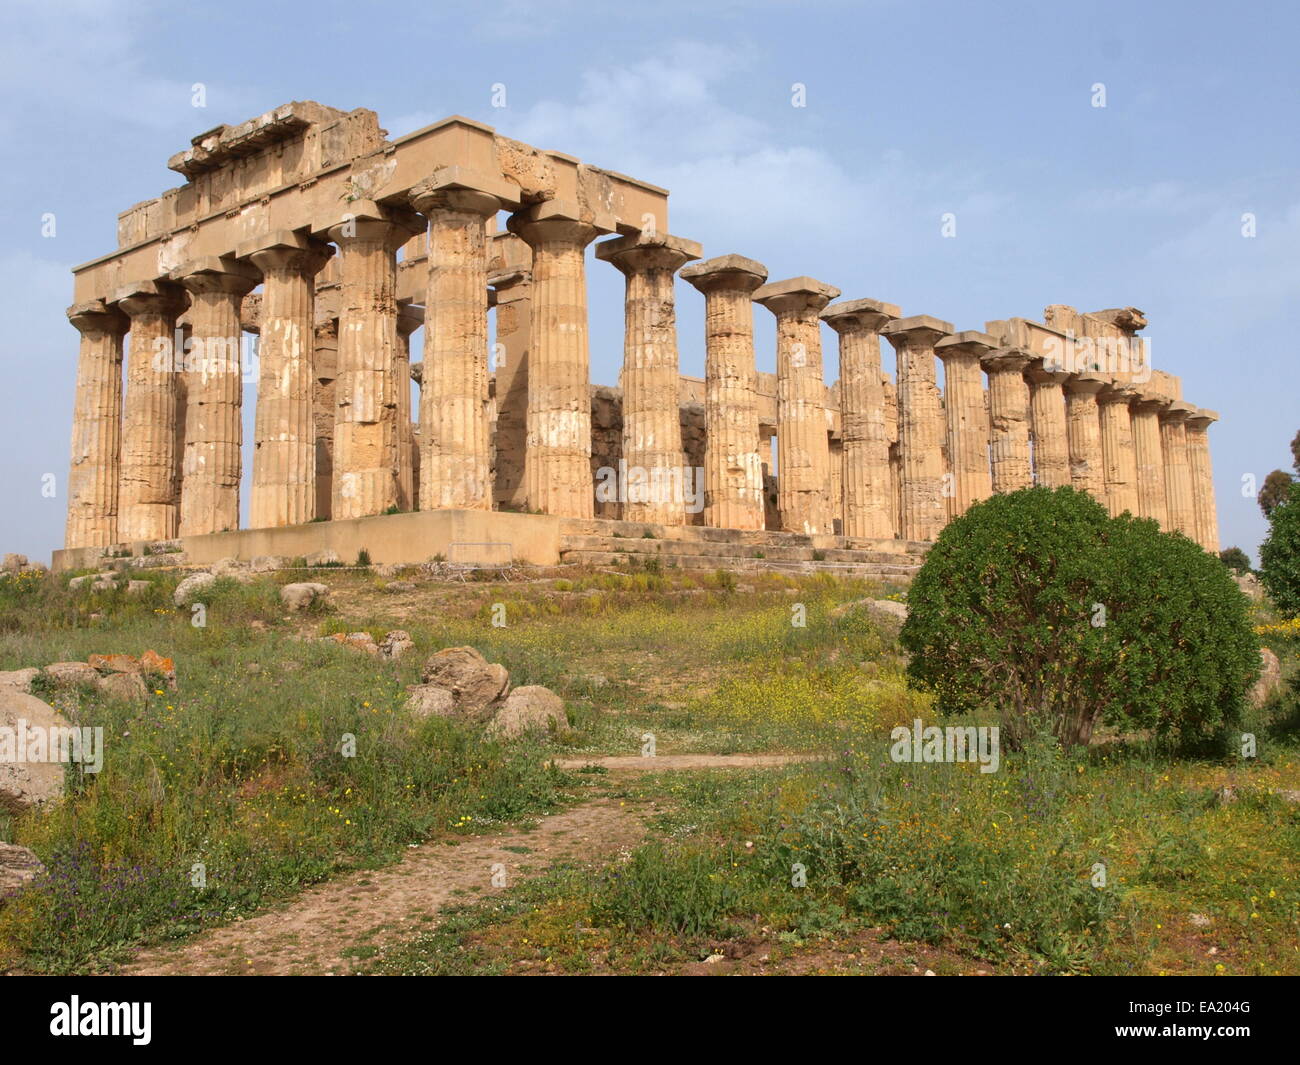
x: 495, y: 538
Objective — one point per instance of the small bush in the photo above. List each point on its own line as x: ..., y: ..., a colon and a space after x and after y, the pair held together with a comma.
x: 1279, y: 557
x: 675, y: 890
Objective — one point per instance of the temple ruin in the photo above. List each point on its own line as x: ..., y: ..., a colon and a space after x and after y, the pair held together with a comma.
x: 332, y: 244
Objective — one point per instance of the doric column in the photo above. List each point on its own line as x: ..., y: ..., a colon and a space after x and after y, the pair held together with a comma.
x: 1178, y: 472
x: 1148, y: 455
x: 868, y: 495
x: 803, y: 445
x: 1048, y: 425
x: 284, y: 434
x: 324, y: 411
x: 733, y: 462
x: 1083, y: 427
x: 409, y: 319
x: 513, y: 328
x: 214, y: 433
x: 96, y: 426
x: 895, y: 455
x: 1198, y: 458
x: 967, y: 415
x: 557, y: 462
x: 924, y: 510
x: 365, y: 427
x: 1118, y: 457
x: 148, y: 489
x: 1008, y: 419
x: 456, y: 458
x: 652, y: 423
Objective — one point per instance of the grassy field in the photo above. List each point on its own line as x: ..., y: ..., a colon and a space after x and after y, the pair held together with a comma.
x: 849, y: 863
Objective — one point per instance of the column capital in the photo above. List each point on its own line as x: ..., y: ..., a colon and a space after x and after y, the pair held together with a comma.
x: 148, y: 297
x: 725, y: 272
x: 648, y: 251
x: 560, y: 221
x: 1115, y: 392
x: 368, y: 220
x: 96, y: 316
x: 285, y: 249
x: 795, y: 295
x: 1038, y: 373
x: 850, y: 316
x: 968, y: 343
x: 1150, y: 403
x: 459, y: 188
x: 918, y: 331
x: 1176, y: 413
x: 1202, y: 418
x: 1084, y: 384
x: 509, y: 281
x: 410, y: 317
x: 214, y: 273
x: 1006, y: 360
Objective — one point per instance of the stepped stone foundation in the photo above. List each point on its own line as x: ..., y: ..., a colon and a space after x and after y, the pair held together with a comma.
x: 310, y: 230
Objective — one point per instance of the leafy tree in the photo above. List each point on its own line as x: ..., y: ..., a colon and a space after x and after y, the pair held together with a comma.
x: 1039, y: 607
x: 1277, y: 485
x: 1235, y: 559
x: 1279, y: 556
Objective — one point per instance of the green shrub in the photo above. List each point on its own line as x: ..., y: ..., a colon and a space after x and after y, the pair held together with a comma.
x: 677, y: 890
x: 1235, y: 559
x: 1279, y: 557
x: 1041, y: 608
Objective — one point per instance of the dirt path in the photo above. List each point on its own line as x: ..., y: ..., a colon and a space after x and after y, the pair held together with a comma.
x: 329, y: 928
x: 684, y: 761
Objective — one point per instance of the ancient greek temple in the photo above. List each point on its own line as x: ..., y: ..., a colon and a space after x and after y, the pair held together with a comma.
x: 309, y: 229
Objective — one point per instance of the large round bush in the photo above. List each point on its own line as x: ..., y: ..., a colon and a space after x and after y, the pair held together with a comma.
x: 1279, y: 557
x: 1041, y: 609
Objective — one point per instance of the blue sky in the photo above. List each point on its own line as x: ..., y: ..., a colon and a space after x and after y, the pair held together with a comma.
x: 913, y: 110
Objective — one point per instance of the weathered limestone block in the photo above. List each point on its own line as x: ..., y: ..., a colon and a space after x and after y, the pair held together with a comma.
x: 1198, y: 457
x: 409, y: 319
x: 149, y: 492
x: 967, y: 416
x: 1083, y: 427
x: 1118, y: 456
x: 867, y: 492
x: 1148, y: 454
x: 652, y: 439
x: 1008, y: 419
x: 513, y: 290
x: 557, y: 462
x: 365, y: 427
x: 455, y: 466
x: 895, y: 452
x: 803, y: 445
x: 1048, y: 425
x: 284, y: 434
x: 324, y: 410
x: 1178, y: 471
x: 212, y: 463
x: 924, y: 510
x: 96, y: 426
x: 733, y: 466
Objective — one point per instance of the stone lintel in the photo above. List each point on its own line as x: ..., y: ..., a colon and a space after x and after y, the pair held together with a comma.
x: 725, y: 271
x: 410, y: 317
x: 848, y: 314
x: 1129, y: 319
x: 458, y: 178
x: 967, y: 342
x: 1001, y: 359
x: 1087, y: 384
x: 508, y: 279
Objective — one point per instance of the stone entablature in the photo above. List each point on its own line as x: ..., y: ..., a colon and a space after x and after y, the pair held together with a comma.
x: 309, y: 228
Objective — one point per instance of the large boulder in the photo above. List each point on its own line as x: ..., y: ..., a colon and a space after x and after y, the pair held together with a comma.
x: 396, y: 644
x: 475, y: 683
x: 192, y: 587
x: 302, y: 595
x: 18, y: 868
x: 429, y: 700
x: 71, y: 674
x: 1270, y: 678
x: 19, y: 678
x: 128, y: 687
x: 27, y: 783
x: 531, y: 708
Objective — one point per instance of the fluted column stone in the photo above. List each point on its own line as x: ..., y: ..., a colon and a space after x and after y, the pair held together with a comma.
x: 967, y: 416
x: 1118, y: 456
x: 803, y: 456
x: 921, y: 428
x: 1178, y: 471
x: 513, y: 332
x: 1148, y: 454
x: 1008, y: 419
x: 409, y: 318
x: 1202, y: 471
x: 733, y: 460
x: 1048, y: 425
x: 96, y: 426
x: 652, y: 426
x: 1083, y: 428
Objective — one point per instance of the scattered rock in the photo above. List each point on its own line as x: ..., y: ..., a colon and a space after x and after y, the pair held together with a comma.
x: 114, y: 663
x: 394, y: 587
x: 1270, y: 679
x: 18, y: 868
x: 395, y: 644
x: 1200, y: 920
x: 128, y: 687
x: 885, y: 608
x: 19, y: 678
x: 268, y: 563
x: 78, y: 582
x: 429, y: 700
x: 531, y: 708
x: 1249, y: 584
x: 29, y: 783
x: 327, y: 557
x: 135, y: 589
x: 192, y: 587
x: 14, y: 563
x: 70, y: 674
x: 301, y: 596
x: 474, y: 683
x: 230, y: 567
